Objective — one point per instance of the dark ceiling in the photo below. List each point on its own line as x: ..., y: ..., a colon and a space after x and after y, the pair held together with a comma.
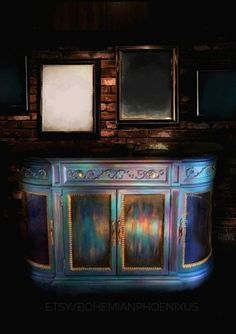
x: 113, y: 22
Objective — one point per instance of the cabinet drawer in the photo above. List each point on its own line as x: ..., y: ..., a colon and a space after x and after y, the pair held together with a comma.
x: 36, y: 173
x: 192, y: 173
x: 118, y: 173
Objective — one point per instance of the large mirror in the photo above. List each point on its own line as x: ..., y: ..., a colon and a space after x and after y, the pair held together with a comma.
x: 147, y: 87
x: 68, y: 101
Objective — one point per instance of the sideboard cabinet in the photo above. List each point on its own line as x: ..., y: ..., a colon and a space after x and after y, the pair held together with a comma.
x: 116, y: 224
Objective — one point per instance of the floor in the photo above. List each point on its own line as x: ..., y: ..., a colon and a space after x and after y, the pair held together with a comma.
x: 213, y: 299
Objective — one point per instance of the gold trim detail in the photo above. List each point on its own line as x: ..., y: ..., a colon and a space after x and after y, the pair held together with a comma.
x: 50, y: 244
x: 119, y: 232
x: 70, y: 233
x: 113, y: 233
x: 122, y: 229
x: 38, y: 265
x: 198, y: 263
x: 205, y: 259
x: 52, y: 232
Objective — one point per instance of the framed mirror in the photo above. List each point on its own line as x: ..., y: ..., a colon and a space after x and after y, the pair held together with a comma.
x: 147, y: 85
x: 13, y: 85
x: 69, y: 99
x: 216, y: 93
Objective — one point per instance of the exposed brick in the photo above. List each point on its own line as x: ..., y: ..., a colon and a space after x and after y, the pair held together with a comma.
x: 160, y: 133
x: 29, y: 124
x: 108, y: 63
x: 10, y: 124
x: 32, y: 64
x: 108, y: 73
x: 88, y: 54
x: 132, y: 133
x: 103, y: 106
x: 108, y: 98
x: 18, y: 195
x: 183, y: 134
x: 220, y: 125
x: 193, y: 125
x: 108, y: 81
x: 32, y: 90
x: 113, y: 140
x: 19, y: 118
x: 9, y: 133
x: 113, y: 89
x: 139, y: 141
x: 111, y: 107
x: 33, y: 81
x: 33, y: 116
x: 108, y: 133
x: 111, y: 125
x: 32, y: 98
x: 224, y: 212
x: 33, y: 107
x: 106, y: 89
x: 108, y: 116
x: 103, y: 125
x: 33, y: 71
x: 224, y: 233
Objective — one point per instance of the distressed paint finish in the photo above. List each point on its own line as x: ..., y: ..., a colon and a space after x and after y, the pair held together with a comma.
x: 196, y: 173
x: 90, y: 220
x: 143, y: 230
x: 36, y: 172
x: 123, y: 173
x: 37, y: 228
x: 124, y: 224
x: 197, y: 242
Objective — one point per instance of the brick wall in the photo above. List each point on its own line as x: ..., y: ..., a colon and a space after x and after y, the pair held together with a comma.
x: 19, y: 133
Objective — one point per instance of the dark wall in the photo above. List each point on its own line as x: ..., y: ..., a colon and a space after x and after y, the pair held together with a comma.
x: 165, y: 21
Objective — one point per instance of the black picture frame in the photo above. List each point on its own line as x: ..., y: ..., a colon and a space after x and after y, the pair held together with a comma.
x: 67, y: 79
x: 14, y: 85
x: 216, y: 93
x: 147, y: 85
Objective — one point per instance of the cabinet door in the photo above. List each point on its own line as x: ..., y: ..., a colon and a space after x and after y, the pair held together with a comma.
x: 39, y: 228
x: 90, y: 217
x: 195, y: 227
x: 143, y: 231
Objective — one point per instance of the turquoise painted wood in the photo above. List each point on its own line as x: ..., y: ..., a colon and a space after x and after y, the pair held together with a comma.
x: 118, y: 224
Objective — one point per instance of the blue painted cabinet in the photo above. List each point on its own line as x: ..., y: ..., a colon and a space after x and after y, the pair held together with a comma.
x: 116, y: 224
x: 143, y: 231
x: 195, y: 227
x: 38, y: 229
x: 90, y: 231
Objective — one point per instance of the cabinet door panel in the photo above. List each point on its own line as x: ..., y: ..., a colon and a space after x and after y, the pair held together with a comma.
x: 143, y: 231
x: 38, y: 229
x: 91, y: 217
x: 197, y: 237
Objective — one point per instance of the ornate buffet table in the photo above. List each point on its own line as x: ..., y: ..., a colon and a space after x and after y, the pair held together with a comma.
x: 116, y: 224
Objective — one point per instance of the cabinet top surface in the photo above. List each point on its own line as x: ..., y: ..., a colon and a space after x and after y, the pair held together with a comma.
x: 135, y: 159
